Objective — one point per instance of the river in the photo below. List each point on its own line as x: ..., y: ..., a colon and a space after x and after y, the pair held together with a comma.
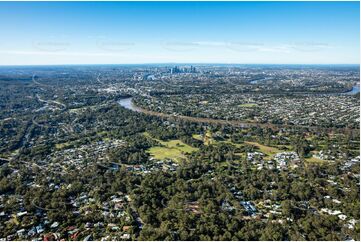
x: 127, y: 103
x: 355, y: 89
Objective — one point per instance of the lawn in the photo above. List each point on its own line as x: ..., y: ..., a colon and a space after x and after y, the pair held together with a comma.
x: 62, y: 145
x: 172, y: 149
x: 288, y: 147
x: 265, y: 149
x: 161, y: 153
x: 197, y: 136
x: 179, y: 145
x: 207, y: 139
x: 248, y: 105
x: 229, y: 141
x: 315, y: 160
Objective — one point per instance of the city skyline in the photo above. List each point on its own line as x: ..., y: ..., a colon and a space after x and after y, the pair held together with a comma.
x: 179, y: 32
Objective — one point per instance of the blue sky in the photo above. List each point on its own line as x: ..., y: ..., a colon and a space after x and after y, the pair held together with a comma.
x: 195, y: 32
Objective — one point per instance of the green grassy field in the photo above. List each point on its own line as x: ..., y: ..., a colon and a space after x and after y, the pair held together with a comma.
x: 197, y: 136
x: 270, y: 151
x: 287, y: 147
x: 209, y: 140
x: 228, y: 141
x: 62, y: 145
x: 173, y: 149
x: 314, y: 160
x: 179, y: 145
x: 161, y: 153
x: 248, y: 105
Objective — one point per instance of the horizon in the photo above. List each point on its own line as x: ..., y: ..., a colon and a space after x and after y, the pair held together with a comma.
x: 126, y: 33
x: 187, y: 63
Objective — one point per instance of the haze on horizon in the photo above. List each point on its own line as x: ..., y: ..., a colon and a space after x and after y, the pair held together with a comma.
x: 51, y: 33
